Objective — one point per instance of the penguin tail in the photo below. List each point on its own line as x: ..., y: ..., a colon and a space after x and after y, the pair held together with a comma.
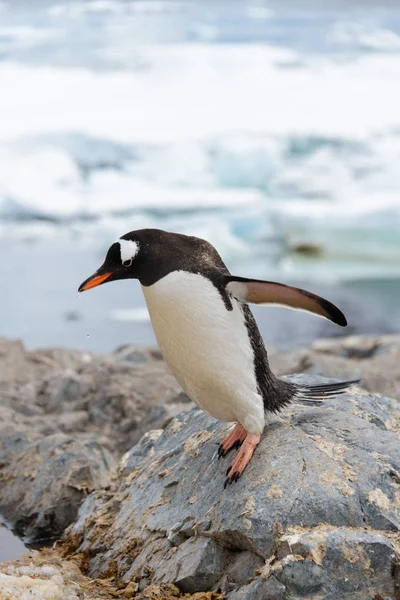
x: 319, y: 393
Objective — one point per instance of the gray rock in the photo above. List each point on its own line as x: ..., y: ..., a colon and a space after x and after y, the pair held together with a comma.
x: 200, y: 562
x: 111, y: 399
x: 62, y: 389
x: 302, y: 578
x: 13, y: 445
x: 137, y: 355
x: 143, y: 448
x: 352, y: 556
x: 335, y: 563
x: 45, y: 481
x: 243, y: 567
x: 260, y: 589
x: 17, y: 365
x: 274, y: 590
x: 103, y: 404
x: 319, y: 477
x: 160, y: 415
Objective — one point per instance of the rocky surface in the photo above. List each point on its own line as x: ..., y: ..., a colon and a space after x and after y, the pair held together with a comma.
x: 65, y: 417
x: 112, y: 399
x: 47, y: 576
x: 44, y: 483
x: 316, y: 514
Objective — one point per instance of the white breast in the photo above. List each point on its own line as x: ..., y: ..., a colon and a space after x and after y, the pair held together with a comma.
x: 206, y: 347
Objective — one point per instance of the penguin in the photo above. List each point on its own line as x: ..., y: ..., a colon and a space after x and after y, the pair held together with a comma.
x: 207, y: 333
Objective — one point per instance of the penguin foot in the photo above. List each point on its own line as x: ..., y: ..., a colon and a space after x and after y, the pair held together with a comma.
x: 243, y: 458
x: 233, y: 440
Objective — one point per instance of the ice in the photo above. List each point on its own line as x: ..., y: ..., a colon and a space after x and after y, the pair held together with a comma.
x: 365, y: 36
x: 24, y: 36
x: 77, y: 9
x: 40, y: 183
x: 202, y: 91
x: 259, y: 12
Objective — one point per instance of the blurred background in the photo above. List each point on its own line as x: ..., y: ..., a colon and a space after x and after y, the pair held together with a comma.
x: 270, y: 128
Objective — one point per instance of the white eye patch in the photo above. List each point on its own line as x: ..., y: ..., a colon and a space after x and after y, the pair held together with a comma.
x: 129, y: 250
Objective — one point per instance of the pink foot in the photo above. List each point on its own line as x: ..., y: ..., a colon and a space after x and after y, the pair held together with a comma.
x: 233, y: 440
x: 243, y: 458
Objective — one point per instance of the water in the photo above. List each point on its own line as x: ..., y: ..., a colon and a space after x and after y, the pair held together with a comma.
x: 266, y: 128
x: 11, y: 547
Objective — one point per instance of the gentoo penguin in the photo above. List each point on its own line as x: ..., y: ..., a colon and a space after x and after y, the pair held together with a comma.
x: 207, y: 333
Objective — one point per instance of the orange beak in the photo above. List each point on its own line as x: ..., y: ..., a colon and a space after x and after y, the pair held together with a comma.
x: 93, y: 281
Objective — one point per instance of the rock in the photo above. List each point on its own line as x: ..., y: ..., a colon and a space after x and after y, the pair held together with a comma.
x: 302, y: 578
x: 243, y: 567
x: 18, y: 366
x: 159, y: 416
x: 260, y: 589
x: 137, y: 355
x: 352, y: 555
x: 112, y: 399
x: 196, y: 566
x: 317, y: 512
x: 62, y: 413
x: 335, y: 561
x: 61, y: 389
x: 135, y: 456
x: 44, y: 480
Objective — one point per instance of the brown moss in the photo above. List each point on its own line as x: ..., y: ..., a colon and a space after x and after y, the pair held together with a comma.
x: 69, y: 545
x: 111, y: 572
x: 132, y: 549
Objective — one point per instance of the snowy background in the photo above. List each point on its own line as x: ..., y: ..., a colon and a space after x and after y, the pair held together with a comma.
x: 272, y: 129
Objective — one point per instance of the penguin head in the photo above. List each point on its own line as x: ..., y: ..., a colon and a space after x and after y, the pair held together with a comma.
x: 123, y: 261
x: 150, y: 254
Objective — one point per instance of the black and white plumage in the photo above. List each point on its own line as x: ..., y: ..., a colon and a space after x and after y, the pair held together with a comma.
x: 206, y: 330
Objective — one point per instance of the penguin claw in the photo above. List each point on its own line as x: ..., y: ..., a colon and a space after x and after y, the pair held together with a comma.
x: 233, y: 440
x: 231, y: 478
x: 240, y: 462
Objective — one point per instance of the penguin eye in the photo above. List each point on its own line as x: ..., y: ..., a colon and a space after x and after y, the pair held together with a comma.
x: 127, y: 263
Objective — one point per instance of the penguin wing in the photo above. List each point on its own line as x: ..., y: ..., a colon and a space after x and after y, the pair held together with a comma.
x: 279, y: 294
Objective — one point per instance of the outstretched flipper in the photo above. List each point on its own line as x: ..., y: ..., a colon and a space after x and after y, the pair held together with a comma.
x: 277, y: 294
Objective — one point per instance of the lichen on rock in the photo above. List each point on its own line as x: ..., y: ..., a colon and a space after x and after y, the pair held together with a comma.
x: 303, y: 506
